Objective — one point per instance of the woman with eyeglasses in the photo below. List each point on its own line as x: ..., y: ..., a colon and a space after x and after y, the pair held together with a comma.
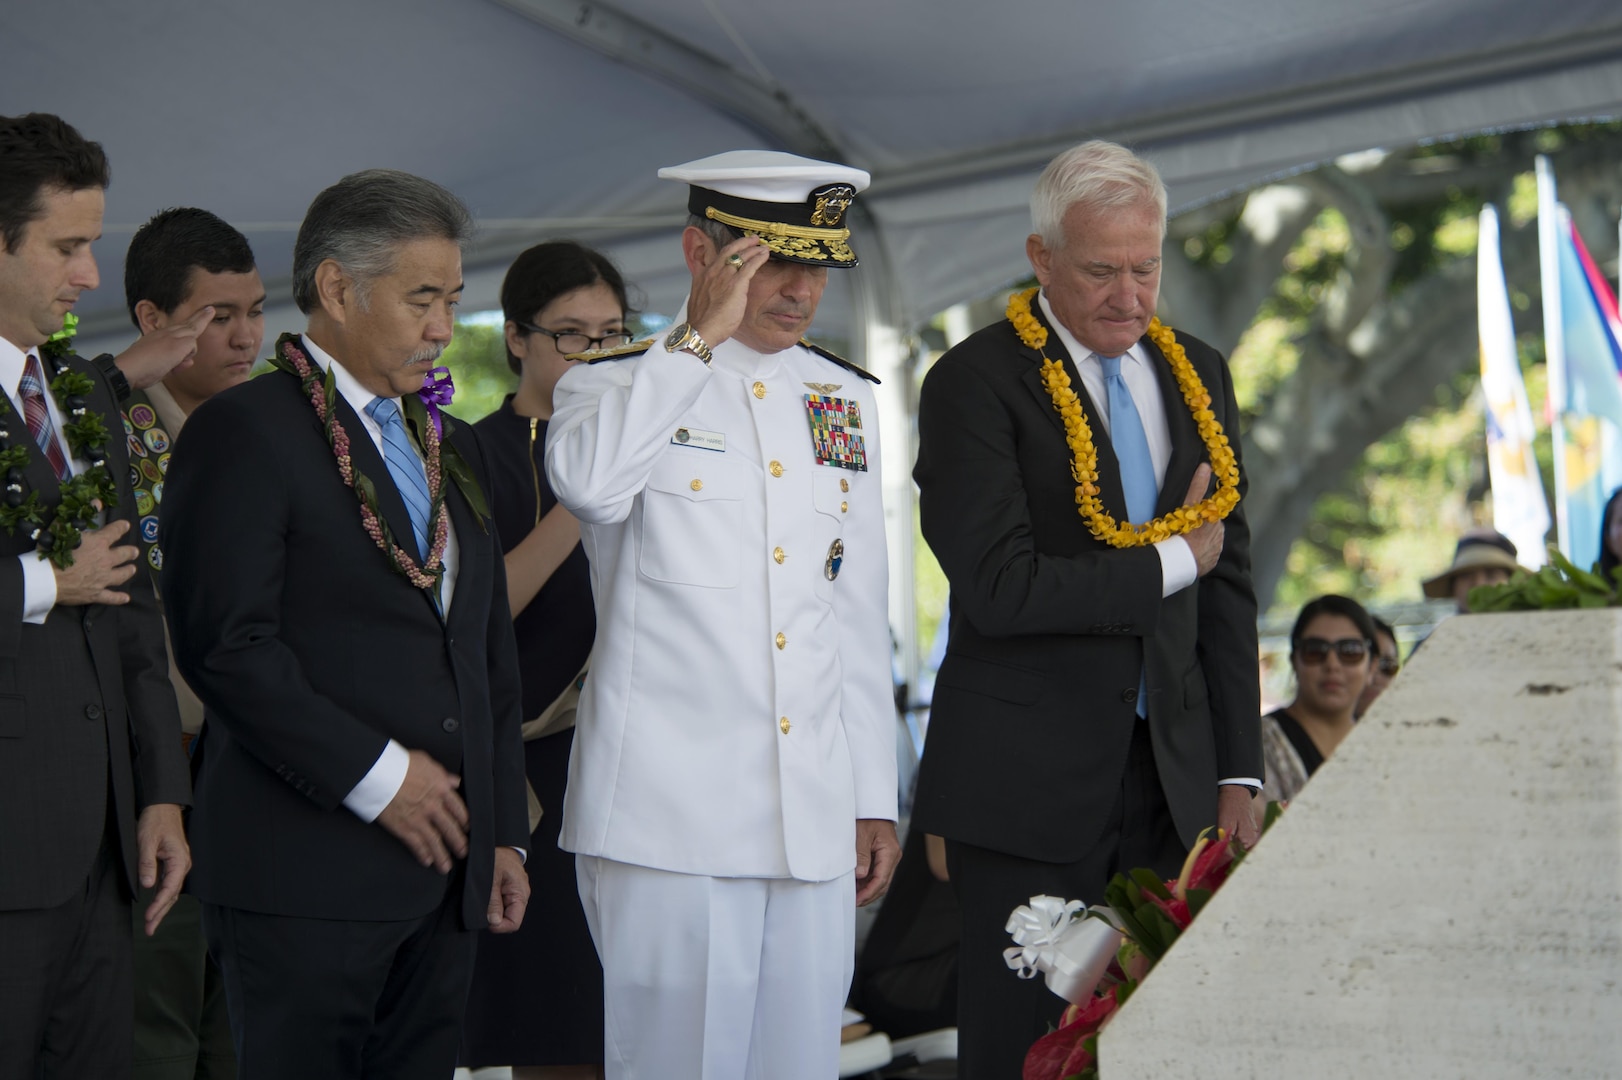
x: 1331, y: 652
x: 537, y: 998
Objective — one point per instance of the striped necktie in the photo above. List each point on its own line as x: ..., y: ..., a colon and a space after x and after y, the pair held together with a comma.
x: 405, y: 467
x: 32, y: 391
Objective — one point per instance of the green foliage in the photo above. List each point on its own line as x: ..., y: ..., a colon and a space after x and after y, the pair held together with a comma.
x: 1560, y: 584
x: 477, y: 357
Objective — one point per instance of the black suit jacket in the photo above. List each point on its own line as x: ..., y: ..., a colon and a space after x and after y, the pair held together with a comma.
x: 1035, y: 701
x: 86, y: 708
x: 309, y: 653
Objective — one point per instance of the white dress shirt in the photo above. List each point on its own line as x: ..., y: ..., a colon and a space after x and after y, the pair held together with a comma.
x: 39, y: 576
x: 1178, y: 567
x: 379, y: 786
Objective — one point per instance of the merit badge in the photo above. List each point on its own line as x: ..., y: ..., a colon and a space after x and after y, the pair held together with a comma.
x: 137, y: 447
x: 149, y: 529
x: 149, y: 469
x: 836, y: 557
x: 163, y: 464
x: 699, y: 440
x: 157, y: 439
x: 144, y: 502
x: 129, y: 428
x: 154, y: 556
x: 157, y: 492
x: 836, y: 436
x: 142, y: 416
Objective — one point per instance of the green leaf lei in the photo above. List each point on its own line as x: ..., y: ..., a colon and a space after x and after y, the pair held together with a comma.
x: 57, y: 531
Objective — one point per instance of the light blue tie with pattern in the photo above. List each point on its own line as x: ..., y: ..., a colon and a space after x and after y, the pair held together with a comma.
x: 1137, y: 467
x: 405, y: 467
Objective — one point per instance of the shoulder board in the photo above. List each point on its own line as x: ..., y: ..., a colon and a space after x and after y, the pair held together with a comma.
x: 621, y: 352
x: 840, y: 360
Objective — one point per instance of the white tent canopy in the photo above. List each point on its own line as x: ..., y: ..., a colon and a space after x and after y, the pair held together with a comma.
x: 550, y: 117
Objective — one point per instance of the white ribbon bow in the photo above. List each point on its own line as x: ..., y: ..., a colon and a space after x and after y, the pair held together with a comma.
x: 1055, y: 937
x: 1037, y: 929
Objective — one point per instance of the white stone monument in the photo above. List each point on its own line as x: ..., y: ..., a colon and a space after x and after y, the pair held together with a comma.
x: 1443, y: 900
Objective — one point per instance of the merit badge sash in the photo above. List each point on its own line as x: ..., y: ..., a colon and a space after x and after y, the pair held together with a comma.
x: 836, y: 431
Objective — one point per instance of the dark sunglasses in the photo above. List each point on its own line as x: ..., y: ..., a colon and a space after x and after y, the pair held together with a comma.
x: 1315, y: 650
x: 1389, y: 665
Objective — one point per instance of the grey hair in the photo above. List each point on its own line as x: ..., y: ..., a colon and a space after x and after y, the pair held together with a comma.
x: 721, y: 235
x: 361, y: 221
x: 1098, y: 175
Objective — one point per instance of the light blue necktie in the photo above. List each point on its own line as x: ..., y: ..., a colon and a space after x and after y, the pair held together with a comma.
x: 405, y: 467
x: 1137, y: 467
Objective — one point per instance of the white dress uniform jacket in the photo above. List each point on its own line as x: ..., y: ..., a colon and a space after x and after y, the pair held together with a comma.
x: 739, y: 715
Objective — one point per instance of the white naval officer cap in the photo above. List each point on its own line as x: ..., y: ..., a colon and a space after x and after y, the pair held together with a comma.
x: 796, y: 204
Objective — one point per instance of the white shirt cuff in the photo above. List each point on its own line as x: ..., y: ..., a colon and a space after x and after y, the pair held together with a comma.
x: 1247, y: 781
x: 379, y: 786
x: 1178, y: 567
x: 39, y: 587
x: 523, y: 856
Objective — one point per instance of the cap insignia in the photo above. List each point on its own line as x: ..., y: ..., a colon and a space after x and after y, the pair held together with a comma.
x: 831, y: 204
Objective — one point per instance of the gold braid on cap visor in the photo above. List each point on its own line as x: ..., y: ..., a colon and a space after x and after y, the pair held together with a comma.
x: 794, y: 241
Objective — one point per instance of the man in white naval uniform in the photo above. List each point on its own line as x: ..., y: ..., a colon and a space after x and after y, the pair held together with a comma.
x: 732, y: 793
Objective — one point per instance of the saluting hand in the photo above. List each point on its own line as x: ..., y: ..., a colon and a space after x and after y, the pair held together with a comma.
x: 155, y: 355
x: 720, y: 282
x: 427, y: 815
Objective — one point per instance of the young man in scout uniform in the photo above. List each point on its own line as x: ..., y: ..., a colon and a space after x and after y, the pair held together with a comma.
x: 183, y: 261
x: 732, y: 794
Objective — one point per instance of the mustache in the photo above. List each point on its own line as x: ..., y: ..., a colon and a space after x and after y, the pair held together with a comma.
x: 429, y: 353
x: 798, y: 311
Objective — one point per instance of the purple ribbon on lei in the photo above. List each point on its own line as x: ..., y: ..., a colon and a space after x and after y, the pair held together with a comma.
x: 437, y: 390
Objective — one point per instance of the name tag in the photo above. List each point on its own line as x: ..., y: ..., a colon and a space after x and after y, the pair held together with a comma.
x: 700, y: 440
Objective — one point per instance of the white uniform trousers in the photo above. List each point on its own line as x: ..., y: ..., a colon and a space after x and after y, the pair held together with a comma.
x: 709, y: 978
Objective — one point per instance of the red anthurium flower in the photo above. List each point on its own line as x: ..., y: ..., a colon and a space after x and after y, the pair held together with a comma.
x: 1061, y: 1053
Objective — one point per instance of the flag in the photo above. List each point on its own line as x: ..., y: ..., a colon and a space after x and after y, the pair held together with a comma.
x: 1584, y: 344
x: 1519, y: 509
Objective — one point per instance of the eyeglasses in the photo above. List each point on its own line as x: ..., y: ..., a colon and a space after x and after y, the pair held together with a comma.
x: 1389, y: 665
x: 1315, y: 650
x: 573, y: 341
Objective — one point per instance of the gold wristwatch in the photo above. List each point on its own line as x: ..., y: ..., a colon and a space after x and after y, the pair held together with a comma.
x: 684, y: 337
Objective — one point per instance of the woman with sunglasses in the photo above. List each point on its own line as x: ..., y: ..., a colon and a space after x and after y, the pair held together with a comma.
x: 1387, y: 662
x: 537, y: 998
x: 1331, y: 651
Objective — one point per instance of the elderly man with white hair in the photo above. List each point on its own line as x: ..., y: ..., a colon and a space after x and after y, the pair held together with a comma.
x: 1080, y: 483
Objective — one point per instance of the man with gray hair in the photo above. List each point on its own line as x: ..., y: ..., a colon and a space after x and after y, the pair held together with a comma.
x: 1079, y: 478
x: 336, y: 597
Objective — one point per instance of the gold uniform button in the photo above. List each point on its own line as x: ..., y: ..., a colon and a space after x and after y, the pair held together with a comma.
x: 697, y: 485
x: 776, y: 468
x: 782, y: 642
x: 783, y: 725
x: 844, y: 508
x: 778, y: 555
x: 759, y: 389
x: 844, y: 485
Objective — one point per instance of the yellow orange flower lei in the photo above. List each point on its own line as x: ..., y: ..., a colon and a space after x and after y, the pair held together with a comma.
x: 1079, y: 436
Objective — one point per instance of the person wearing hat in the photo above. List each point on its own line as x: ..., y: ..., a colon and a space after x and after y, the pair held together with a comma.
x: 732, y: 792
x: 1483, y: 557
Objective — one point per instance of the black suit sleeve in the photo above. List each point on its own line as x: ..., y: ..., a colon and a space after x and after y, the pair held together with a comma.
x: 975, y: 514
x: 506, y: 697
x: 226, y: 512
x: 1227, y: 645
